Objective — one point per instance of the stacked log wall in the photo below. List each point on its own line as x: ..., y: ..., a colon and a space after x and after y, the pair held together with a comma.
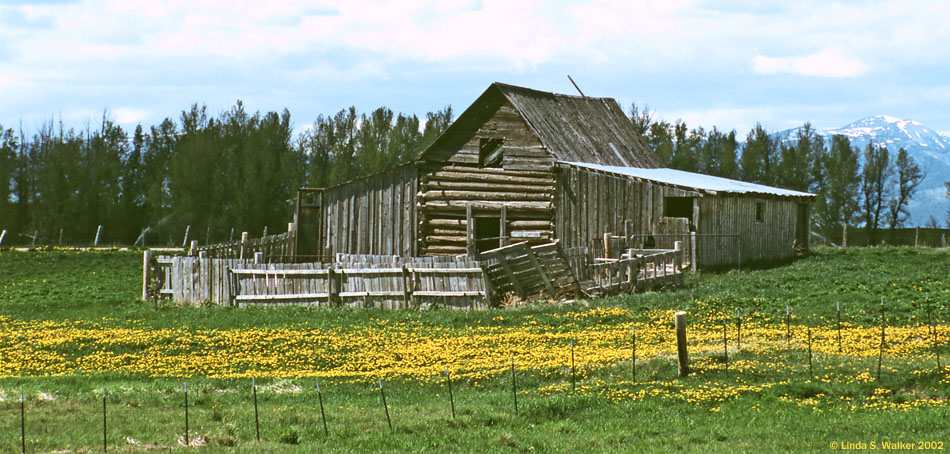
x: 523, y: 184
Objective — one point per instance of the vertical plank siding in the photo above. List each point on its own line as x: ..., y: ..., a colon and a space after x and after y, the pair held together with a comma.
x: 770, y: 240
x: 372, y: 215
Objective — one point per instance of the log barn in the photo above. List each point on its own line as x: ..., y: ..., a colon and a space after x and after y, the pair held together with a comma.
x: 526, y: 165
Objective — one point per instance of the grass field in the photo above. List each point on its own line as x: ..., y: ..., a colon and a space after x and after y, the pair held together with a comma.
x: 71, y: 324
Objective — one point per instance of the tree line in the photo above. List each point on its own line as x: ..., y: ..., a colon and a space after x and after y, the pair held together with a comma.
x: 875, y: 194
x: 239, y: 171
x: 214, y: 175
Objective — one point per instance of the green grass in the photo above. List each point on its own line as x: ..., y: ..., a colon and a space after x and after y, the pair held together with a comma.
x: 65, y: 412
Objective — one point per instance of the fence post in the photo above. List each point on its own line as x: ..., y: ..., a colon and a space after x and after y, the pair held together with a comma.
x: 105, y: 439
x: 633, y: 356
x: 243, y: 244
x: 193, y: 249
x: 207, y: 268
x: 503, y: 227
x: 22, y: 424
x: 146, y: 269
x: 514, y: 386
x: 385, y: 406
x: 682, y: 353
x: 333, y: 289
x: 678, y: 261
x: 406, y: 286
x: 880, y: 356
x: 469, y: 230
x: 692, y: 251
x: 323, y: 415
x: 184, y: 243
x: 61, y: 238
x: 257, y: 421
x: 258, y: 258
x: 738, y: 252
x: 265, y: 232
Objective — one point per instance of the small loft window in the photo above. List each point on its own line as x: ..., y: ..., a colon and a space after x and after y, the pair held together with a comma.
x: 678, y: 207
x: 759, y: 211
x: 489, y: 152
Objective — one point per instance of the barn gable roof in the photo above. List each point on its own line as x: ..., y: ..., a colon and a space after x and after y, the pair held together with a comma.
x: 572, y: 128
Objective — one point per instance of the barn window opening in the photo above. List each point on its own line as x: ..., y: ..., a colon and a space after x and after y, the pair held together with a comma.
x: 489, y: 152
x: 678, y: 207
x: 759, y: 211
x: 487, y: 233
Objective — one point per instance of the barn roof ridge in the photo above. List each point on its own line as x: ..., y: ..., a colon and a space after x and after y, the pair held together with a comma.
x: 550, y: 93
x: 571, y: 128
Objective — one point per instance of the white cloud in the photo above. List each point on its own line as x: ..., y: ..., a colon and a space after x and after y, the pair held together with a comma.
x: 826, y: 63
x: 152, y: 57
x: 128, y: 115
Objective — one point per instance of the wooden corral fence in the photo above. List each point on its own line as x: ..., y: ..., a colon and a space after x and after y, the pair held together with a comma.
x: 530, y: 272
x: 188, y: 279
x: 363, y: 281
x: 276, y: 248
x: 366, y: 281
x: 638, y: 270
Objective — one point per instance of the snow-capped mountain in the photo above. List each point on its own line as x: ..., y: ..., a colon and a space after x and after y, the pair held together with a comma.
x: 930, y: 150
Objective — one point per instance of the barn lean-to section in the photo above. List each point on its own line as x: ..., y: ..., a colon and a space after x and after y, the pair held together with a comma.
x: 731, y: 222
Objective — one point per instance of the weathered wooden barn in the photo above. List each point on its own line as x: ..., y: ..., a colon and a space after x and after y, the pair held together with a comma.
x: 526, y: 165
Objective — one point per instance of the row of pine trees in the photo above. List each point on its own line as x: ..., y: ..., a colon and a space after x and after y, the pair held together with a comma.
x: 239, y: 171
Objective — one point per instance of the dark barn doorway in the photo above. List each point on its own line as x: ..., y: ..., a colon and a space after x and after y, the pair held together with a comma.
x: 487, y: 233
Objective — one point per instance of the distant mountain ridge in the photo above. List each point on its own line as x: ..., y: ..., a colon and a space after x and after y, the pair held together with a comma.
x: 930, y: 149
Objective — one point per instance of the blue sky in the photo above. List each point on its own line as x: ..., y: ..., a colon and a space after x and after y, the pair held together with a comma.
x: 727, y: 64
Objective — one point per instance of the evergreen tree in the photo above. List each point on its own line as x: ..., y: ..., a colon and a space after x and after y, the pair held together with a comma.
x: 160, y: 146
x: 946, y: 184
x: 719, y: 154
x: 837, y: 203
x: 875, y: 187
x: 687, y: 146
x: 8, y: 149
x: 908, y: 178
x: 436, y: 123
x: 759, y: 158
x: 406, y: 139
x: 660, y: 139
x: 57, y: 197
x: 799, y: 167
x: 374, y: 152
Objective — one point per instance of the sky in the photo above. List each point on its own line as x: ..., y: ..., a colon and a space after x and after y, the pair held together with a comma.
x: 728, y: 64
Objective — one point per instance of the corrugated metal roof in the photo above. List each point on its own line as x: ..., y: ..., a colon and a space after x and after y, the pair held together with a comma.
x: 693, y: 180
x: 581, y: 129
